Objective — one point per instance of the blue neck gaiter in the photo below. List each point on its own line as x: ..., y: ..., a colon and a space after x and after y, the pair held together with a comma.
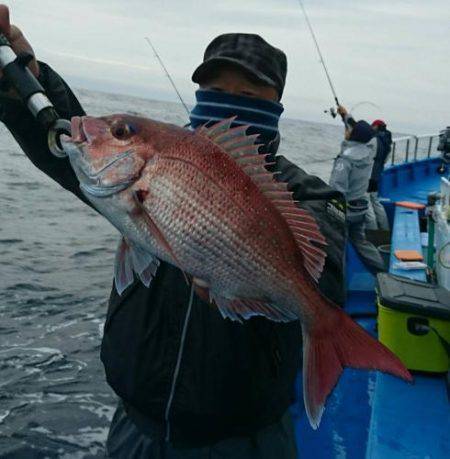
x: 262, y: 115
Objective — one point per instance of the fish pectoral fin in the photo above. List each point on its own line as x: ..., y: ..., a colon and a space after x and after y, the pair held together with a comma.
x: 144, y: 264
x: 123, y: 267
x: 131, y: 258
x: 157, y: 233
x: 240, y: 308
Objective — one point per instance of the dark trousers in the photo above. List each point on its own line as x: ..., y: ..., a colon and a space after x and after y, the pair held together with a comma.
x: 366, y: 250
x: 125, y: 441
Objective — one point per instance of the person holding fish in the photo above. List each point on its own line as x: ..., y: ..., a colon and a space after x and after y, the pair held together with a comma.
x: 219, y: 274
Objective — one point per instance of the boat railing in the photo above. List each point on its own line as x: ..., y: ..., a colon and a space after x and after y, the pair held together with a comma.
x: 413, y: 147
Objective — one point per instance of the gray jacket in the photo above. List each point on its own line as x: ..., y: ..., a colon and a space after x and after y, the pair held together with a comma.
x: 351, y: 173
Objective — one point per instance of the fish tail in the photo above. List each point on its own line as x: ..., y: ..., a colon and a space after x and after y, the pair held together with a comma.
x: 333, y: 342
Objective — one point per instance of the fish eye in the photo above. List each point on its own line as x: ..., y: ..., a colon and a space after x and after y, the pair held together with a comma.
x: 122, y: 131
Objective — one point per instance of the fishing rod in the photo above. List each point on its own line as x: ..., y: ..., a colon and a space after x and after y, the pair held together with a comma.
x: 18, y: 76
x: 322, y: 60
x: 167, y: 74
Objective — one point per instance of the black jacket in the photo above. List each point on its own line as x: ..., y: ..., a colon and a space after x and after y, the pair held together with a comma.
x: 233, y: 378
x: 384, y: 143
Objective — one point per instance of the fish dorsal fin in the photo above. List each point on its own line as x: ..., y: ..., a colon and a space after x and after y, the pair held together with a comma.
x: 243, y: 149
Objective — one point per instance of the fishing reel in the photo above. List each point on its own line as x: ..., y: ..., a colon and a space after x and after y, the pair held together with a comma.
x: 332, y: 111
x: 17, y: 75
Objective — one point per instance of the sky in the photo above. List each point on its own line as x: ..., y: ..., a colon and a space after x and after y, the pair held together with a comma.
x: 387, y: 59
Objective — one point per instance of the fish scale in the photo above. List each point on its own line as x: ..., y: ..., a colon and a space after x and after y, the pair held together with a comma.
x: 205, y: 202
x: 239, y: 259
x: 233, y: 216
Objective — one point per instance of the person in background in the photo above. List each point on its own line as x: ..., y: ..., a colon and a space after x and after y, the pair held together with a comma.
x: 350, y: 175
x: 376, y: 218
x: 191, y: 384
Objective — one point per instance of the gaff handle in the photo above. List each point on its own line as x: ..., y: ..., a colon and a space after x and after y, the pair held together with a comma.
x: 17, y: 75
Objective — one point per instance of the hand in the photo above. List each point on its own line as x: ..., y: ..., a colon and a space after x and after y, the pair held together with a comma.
x: 19, y: 43
x: 342, y: 110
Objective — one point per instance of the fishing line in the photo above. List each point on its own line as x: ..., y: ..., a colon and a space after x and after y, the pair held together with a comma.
x: 365, y: 102
x: 167, y: 74
x: 322, y: 60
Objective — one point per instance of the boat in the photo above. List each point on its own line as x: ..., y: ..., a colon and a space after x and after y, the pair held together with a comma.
x: 371, y: 414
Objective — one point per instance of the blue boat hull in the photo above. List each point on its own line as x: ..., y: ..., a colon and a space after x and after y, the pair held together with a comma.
x: 370, y: 414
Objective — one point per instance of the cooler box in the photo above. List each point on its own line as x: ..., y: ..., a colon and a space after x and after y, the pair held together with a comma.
x: 413, y: 319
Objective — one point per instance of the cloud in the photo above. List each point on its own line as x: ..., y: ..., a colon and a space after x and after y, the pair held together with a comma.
x: 393, y: 53
x: 97, y: 60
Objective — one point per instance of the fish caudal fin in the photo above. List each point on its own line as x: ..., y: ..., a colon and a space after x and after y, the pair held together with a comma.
x: 334, y: 343
x: 131, y: 259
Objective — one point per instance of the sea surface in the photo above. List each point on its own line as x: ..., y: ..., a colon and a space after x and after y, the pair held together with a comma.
x: 56, y: 263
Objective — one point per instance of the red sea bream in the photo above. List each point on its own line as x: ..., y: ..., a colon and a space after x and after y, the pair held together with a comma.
x: 205, y: 202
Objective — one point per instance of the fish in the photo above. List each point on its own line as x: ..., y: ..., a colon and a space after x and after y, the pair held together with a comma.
x: 205, y: 202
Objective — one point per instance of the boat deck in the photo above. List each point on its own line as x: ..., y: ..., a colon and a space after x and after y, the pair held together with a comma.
x: 371, y: 414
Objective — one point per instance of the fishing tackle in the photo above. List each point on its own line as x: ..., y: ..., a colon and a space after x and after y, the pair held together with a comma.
x: 364, y: 102
x: 17, y: 75
x: 332, y: 111
x: 167, y: 74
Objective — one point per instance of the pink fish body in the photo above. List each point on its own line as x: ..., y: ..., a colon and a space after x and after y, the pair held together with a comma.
x: 205, y: 202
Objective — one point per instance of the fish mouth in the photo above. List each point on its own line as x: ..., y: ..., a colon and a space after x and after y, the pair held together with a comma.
x: 79, y: 136
x: 77, y: 131
x: 86, y: 129
x: 103, y: 191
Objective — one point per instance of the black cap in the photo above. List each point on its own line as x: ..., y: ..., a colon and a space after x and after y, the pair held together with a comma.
x: 249, y: 52
x: 362, y: 132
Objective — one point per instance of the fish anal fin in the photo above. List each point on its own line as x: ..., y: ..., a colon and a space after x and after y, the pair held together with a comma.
x: 238, y: 309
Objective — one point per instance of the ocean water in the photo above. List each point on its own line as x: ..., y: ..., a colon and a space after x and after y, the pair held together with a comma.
x: 56, y: 262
